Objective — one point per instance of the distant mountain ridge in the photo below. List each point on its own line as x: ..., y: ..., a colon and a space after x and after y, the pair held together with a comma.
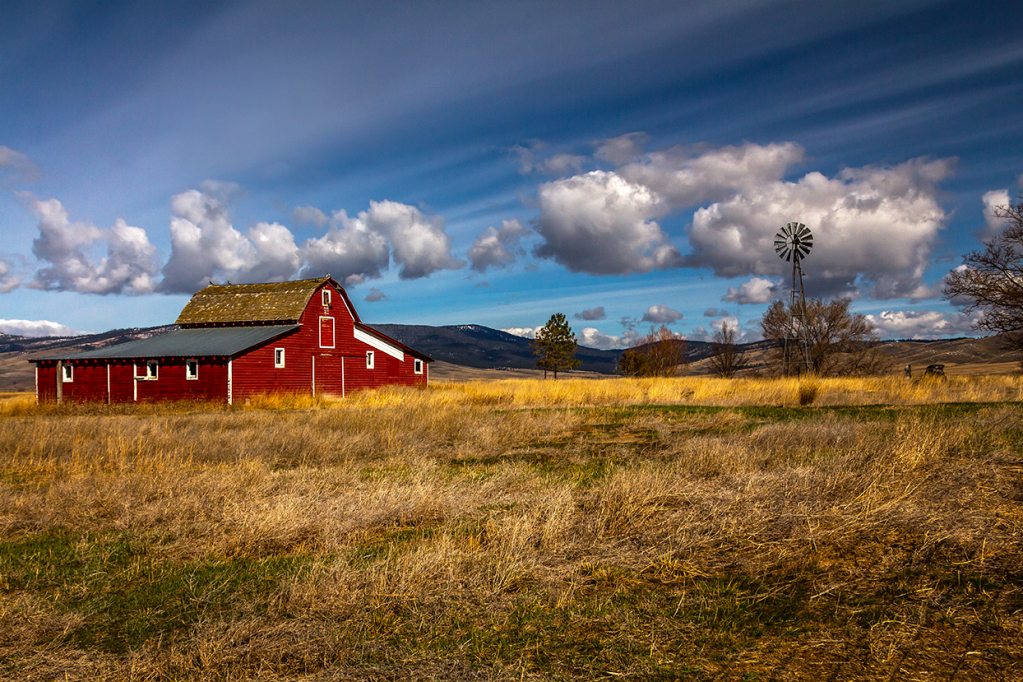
x: 479, y: 347
x: 473, y: 345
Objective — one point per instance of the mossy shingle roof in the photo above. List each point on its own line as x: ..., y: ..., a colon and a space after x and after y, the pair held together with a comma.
x: 271, y: 302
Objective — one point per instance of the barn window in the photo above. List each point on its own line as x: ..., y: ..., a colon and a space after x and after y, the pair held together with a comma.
x: 417, y: 366
x: 69, y: 373
x: 191, y: 369
x: 278, y: 357
x: 369, y: 359
x: 152, y: 370
x: 326, y: 297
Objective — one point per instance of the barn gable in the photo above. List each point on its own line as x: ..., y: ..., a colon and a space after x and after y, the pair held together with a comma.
x: 270, y: 303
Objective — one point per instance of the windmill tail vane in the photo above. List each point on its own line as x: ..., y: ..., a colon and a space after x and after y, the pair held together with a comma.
x: 793, y: 243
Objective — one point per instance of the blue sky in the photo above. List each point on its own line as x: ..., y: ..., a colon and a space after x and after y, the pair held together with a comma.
x: 626, y: 164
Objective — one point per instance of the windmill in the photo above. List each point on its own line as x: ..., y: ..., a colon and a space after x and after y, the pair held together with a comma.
x: 793, y: 242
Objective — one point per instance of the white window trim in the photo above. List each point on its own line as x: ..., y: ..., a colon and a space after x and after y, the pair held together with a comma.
x: 333, y: 331
x: 188, y: 375
x: 379, y: 344
x: 278, y: 352
x: 150, y: 365
x: 325, y: 297
x: 370, y: 359
x: 67, y: 373
x: 417, y: 366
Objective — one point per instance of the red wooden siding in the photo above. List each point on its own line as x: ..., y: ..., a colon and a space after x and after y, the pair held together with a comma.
x: 122, y: 382
x: 90, y: 381
x: 171, y: 383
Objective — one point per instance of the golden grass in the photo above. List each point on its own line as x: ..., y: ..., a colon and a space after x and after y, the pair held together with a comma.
x: 576, y: 530
x: 733, y: 392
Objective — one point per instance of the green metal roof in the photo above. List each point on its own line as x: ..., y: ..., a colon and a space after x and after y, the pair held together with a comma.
x: 186, y: 343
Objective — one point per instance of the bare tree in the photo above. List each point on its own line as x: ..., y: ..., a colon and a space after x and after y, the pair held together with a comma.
x: 727, y: 357
x: 661, y: 353
x: 841, y: 342
x: 992, y: 280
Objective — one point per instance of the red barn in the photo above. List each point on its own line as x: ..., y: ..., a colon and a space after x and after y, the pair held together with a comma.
x: 240, y: 340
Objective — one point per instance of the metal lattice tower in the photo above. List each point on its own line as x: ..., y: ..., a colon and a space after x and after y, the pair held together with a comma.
x: 793, y: 242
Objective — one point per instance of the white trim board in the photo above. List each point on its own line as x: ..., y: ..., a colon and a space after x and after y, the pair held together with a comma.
x: 379, y: 344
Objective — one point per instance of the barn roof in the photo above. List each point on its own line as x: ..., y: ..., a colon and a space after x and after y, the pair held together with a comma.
x: 258, y: 303
x: 186, y: 343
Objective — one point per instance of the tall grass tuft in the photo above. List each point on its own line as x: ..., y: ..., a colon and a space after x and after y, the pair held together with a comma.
x: 807, y: 390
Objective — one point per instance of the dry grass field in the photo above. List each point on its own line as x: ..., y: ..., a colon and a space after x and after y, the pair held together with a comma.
x: 690, y: 528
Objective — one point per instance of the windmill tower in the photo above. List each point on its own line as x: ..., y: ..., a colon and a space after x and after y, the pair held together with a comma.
x: 793, y: 242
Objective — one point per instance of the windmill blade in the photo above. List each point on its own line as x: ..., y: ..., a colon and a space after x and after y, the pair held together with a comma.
x: 793, y: 242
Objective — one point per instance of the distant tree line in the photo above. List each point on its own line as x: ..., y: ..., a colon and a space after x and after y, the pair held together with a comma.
x: 661, y: 353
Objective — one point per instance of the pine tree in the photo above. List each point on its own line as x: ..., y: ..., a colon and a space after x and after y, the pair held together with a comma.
x: 555, y: 346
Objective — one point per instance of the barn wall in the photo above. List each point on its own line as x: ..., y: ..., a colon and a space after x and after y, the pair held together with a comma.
x: 171, y: 383
x: 122, y: 381
x: 90, y: 381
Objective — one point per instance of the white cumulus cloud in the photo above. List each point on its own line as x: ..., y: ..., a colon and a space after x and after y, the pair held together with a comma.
x: 880, y: 224
x: 594, y: 338
x: 602, y: 224
x: 65, y: 246
x: 350, y: 251
x: 995, y: 199
x: 525, y: 332
x: 35, y: 328
x: 205, y: 245
x: 420, y: 245
x: 686, y: 177
x: 755, y: 290
x: 661, y: 314
x: 921, y: 324
x: 496, y: 248
x: 732, y: 322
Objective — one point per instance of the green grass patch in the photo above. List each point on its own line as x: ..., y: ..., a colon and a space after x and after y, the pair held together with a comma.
x: 127, y: 593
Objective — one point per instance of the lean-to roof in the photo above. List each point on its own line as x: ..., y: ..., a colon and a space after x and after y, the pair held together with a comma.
x: 186, y: 343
